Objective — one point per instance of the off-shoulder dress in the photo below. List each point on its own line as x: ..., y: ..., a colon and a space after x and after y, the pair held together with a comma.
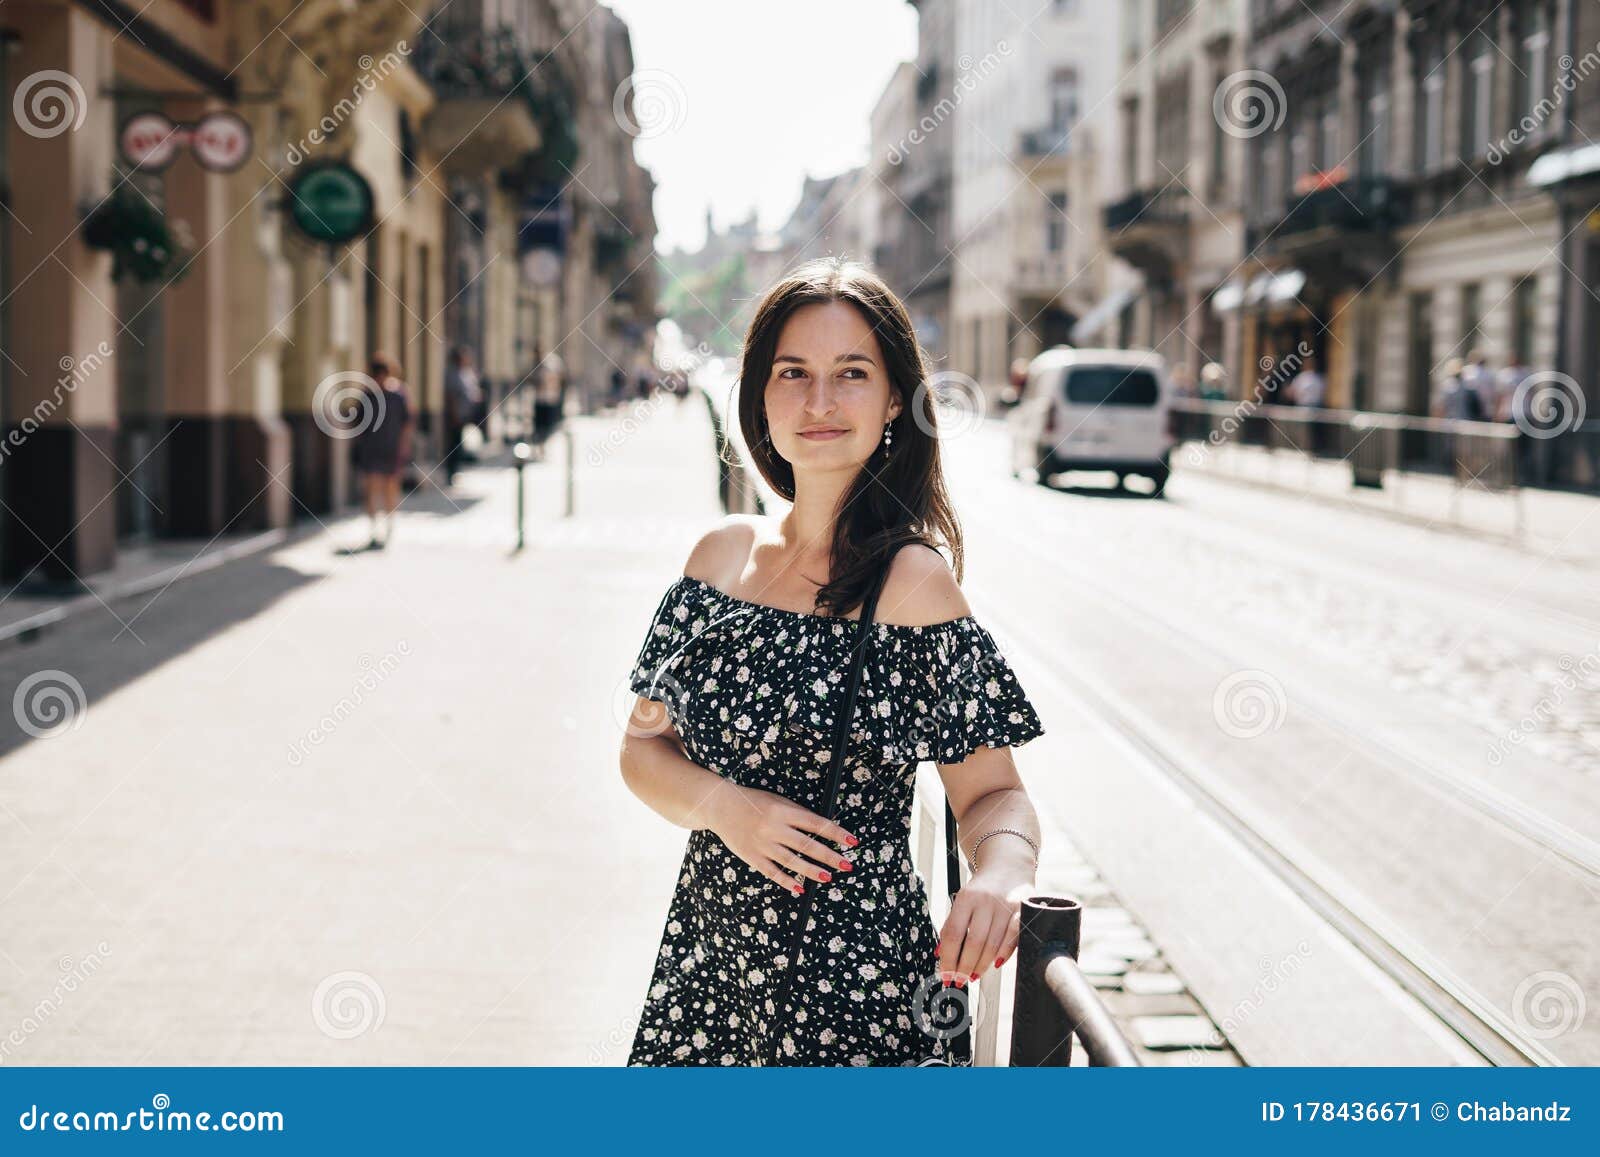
x: 753, y: 691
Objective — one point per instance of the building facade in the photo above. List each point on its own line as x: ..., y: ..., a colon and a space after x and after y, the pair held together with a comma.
x: 170, y: 321
x: 1178, y: 176
x: 1031, y: 111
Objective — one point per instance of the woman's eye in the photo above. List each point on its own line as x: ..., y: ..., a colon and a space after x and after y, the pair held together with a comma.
x: 790, y: 370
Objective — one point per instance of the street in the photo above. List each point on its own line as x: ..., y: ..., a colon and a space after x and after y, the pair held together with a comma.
x: 364, y: 808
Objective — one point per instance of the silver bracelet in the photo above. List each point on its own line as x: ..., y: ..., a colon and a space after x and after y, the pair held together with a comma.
x: 972, y: 859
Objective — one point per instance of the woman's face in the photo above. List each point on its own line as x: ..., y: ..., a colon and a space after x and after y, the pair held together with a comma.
x: 828, y: 395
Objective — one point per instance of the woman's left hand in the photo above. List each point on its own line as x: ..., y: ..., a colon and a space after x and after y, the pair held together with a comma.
x: 981, y: 931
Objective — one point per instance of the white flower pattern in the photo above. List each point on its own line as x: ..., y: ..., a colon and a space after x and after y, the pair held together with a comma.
x: 934, y: 692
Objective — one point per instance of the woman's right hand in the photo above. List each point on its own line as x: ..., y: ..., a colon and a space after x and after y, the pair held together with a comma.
x: 777, y: 837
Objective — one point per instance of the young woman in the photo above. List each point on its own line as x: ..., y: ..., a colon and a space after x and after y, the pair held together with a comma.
x: 748, y: 653
x: 383, y: 447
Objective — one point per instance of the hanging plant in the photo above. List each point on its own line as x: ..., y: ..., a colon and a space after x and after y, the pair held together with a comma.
x: 135, y: 232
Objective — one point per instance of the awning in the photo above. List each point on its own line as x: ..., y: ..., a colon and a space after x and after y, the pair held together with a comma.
x: 1564, y: 164
x: 1102, y: 314
x: 1228, y: 297
x: 1274, y: 288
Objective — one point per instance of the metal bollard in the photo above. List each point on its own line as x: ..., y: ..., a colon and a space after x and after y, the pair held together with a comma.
x: 520, y: 453
x: 1041, y: 1033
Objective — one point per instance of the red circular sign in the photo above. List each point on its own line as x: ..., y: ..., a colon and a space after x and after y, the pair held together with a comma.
x: 149, y: 141
x: 221, y: 141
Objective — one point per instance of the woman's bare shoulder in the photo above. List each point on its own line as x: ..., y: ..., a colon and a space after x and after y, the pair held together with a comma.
x: 921, y: 589
x: 723, y: 550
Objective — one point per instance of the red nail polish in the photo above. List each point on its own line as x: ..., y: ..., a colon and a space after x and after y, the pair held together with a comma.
x: 824, y: 876
x: 846, y: 865
x: 935, y: 951
x: 798, y: 888
x: 974, y: 978
x: 851, y: 841
x: 999, y: 960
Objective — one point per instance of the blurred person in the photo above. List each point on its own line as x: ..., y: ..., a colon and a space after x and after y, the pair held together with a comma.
x: 619, y: 383
x: 644, y: 384
x: 549, y: 390
x: 831, y: 371
x: 1447, y: 400
x: 462, y: 395
x: 1308, y: 387
x: 1507, y: 382
x: 1477, y: 385
x: 382, y: 448
x: 1213, y: 382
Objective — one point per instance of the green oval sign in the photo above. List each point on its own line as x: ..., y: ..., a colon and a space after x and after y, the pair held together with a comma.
x: 331, y: 202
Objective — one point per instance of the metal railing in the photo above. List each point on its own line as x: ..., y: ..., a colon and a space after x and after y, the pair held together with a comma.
x: 1390, y: 452
x: 1052, y: 1000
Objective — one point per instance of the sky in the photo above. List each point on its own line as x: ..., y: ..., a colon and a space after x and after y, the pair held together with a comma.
x: 739, y: 100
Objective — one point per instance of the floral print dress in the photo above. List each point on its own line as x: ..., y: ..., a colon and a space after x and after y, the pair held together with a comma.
x: 753, y: 691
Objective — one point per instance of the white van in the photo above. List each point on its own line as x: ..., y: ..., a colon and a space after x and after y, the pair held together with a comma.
x: 1094, y: 409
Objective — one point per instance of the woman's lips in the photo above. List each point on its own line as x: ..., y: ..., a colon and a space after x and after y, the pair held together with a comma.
x: 822, y: 435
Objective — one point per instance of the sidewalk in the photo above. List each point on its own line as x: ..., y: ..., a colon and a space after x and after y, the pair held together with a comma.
x: 363, y: 808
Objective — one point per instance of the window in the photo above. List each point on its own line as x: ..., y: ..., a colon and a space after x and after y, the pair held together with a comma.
x: 1535, y: 51
x: 1063, y: 101
x: 1056, y: 223
x: 1111, y: 386
x: 1130, y: 145
x: 1471, y: 317
x: 1478, y: 86
x: 1373, y: 150
x: 1328, y: 136
x: 1524, y: 300
x: 1430, y: 114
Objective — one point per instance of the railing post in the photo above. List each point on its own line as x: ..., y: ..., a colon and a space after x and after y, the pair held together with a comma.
x: 1041, y: 1034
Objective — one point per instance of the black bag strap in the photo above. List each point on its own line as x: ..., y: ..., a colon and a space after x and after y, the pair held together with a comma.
x: 841, y: 735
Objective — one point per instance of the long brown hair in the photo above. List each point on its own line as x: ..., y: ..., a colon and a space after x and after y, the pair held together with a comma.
x: 895, y: 499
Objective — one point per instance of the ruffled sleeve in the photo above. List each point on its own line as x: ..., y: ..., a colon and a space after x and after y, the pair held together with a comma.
x: 941, y: 692
x: 678, y: 620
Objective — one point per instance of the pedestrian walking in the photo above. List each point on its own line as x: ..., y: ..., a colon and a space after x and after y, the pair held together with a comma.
x: 462, y: 395
x: 800, y: 934
x: 382, y: 447
x: 1213, y: 382
x: 549, y: 389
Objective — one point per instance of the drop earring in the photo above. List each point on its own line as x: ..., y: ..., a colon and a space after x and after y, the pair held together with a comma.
x: 888, y: 438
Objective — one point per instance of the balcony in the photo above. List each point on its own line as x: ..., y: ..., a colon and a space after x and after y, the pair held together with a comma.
x: 1337, y: 224
x: 1149, y: 229
x: 499, y: 106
